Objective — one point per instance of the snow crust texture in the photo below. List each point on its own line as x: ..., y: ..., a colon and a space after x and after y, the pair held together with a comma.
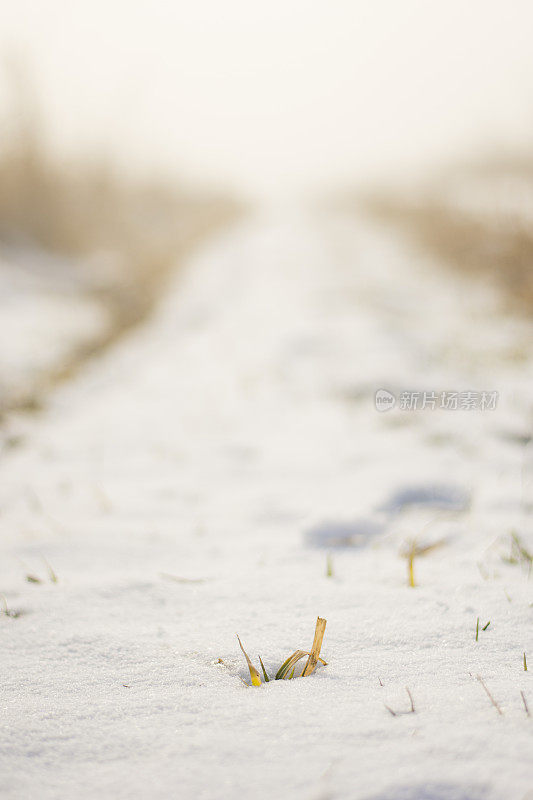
x: 191, y: 483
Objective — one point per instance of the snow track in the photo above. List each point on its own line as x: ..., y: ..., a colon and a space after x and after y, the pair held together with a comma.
x: 231, y: 442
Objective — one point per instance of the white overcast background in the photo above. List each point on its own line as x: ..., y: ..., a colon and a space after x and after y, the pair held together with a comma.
x: 276, y: 97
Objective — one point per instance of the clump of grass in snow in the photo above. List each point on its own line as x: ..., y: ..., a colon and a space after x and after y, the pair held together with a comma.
x: 525, y: 663
x: 412, y: 550
x: 287, y: 669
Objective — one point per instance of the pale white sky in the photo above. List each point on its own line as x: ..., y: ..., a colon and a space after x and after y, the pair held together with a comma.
x: 273, y: 96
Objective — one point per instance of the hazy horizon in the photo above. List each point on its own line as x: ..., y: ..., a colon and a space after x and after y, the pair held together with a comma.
x: 293, y: 96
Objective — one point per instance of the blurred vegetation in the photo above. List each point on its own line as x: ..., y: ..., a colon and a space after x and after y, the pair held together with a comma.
x: 85, y: 209
x: 122, y: 237
x: 489, y: 242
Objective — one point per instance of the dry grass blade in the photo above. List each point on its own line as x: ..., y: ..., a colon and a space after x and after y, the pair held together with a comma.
x: 254, y: 675
x: 51, y: 574
x: 422, y: 550
x: 412, y: 550
x: 178, y: 579
x: 412, y: 709
x: 312, y: 661
x: 524, y: 554
x: 329, y: 566
x: 519, y: 553
x: 491, y: 698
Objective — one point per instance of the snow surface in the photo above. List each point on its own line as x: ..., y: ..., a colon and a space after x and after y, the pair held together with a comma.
x: 233, y: 442
x: 47, y: 314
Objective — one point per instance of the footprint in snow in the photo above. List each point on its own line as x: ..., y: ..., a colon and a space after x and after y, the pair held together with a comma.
x: 338, y: 535
x: 333, y: 535
x: 428, y: 791
x: 442, y: 497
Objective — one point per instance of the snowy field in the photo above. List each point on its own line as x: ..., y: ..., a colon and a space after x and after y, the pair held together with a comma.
x: 198, y: 479
x: 65, y: 317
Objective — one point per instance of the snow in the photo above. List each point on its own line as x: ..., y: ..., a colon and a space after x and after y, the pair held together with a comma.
x: 234, y: 439
x: 47, y: 314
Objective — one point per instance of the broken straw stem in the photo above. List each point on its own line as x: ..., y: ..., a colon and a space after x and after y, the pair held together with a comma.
x: 312, y: 661
x: 491, y: 698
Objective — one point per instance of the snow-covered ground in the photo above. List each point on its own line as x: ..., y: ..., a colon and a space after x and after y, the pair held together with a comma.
x: 233, y: 442
x: 48, y: 312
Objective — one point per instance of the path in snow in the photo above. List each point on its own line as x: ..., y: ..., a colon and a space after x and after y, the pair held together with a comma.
x: 234, y: 439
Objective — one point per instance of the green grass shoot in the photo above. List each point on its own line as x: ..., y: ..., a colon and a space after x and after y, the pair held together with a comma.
x: 484, y: 628
x: 265, y: 673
